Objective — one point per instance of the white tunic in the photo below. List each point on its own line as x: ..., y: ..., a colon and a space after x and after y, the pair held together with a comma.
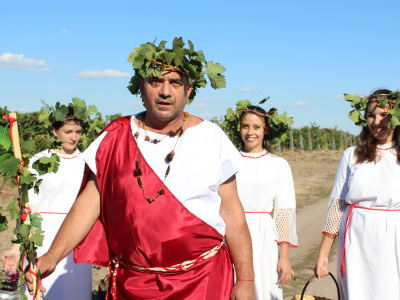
x: 58, y: 192
x: 372, y: 247
x: 204, y: 159
x: 265, y: 183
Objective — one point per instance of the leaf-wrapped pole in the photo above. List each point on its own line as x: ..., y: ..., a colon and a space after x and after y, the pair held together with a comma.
x: 17, y: 154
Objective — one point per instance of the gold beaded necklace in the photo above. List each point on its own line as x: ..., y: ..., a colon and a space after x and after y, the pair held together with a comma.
x: 170, y: 156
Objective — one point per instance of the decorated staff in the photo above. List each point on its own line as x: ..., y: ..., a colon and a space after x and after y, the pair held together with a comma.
x: 364, y: 209
x: 265, y: 184
x: 157, y: 217
x: 56, y: 194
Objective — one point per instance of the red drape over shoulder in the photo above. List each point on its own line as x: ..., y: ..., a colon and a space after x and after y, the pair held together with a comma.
x: 158, y: 234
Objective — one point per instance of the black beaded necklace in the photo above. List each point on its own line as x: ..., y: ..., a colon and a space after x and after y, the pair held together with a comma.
x: 170, y: 156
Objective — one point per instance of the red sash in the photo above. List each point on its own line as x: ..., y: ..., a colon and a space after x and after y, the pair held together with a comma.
x: 159, y: 234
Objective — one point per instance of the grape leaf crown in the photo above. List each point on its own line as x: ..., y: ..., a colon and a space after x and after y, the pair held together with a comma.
x: 278, y: 123
x: 360, y: 104
x: 49, y: 114
x: 150, y: 60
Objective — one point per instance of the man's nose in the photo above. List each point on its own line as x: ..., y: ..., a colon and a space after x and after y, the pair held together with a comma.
x: 165, y: 89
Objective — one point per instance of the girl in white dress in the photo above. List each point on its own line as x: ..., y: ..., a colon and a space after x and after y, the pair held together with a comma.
x: 58, y: 192
x: 265, y: 183
x: 364, y: 210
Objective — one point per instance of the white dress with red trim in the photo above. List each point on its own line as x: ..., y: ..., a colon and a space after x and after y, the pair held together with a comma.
x: 364, y: 211
x: 58, y: 192
x: 265, y: 184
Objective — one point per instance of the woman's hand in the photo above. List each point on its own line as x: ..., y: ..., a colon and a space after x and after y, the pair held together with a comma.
x: 11, y: 258
x: 321, y: 266
x: 285, y: 269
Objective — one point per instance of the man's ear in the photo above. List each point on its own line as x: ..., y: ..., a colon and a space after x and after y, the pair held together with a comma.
x: 141, y: 85
x: 189, y: 90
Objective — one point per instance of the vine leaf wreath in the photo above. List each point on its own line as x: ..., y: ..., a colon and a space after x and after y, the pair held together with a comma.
x: 278, y: 123
x: 360, y: 104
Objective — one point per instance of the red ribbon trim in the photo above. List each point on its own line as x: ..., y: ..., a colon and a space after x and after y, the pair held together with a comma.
x: 11, y: 120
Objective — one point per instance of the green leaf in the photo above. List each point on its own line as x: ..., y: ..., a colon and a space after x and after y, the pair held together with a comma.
x: 354, y: 115
x: 10, y: 168
x: 37, y: 237
x: 13, y: 209
x: 5, y: 140
x: 263, y: 101
x: 36, y: 220
x: 4, y: 157
x: 394, y: 121
x: 3, y: 221
x: 61, y: 112
x: 24, y: 230
x: 169, y: 57
x: 214, y: 73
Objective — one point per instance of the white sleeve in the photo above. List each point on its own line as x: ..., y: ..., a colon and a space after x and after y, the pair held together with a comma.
x: 89, y: 156
x: 285, y: 208
x: 337, y: 202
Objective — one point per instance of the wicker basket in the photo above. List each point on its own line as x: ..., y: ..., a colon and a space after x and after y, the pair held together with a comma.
x: 305, y: 297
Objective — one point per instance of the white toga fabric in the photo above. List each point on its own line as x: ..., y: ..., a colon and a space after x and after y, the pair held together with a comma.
x: 204, y: 159
x: 372, y: 251
x: 58, y: 192
x: 265, y: 183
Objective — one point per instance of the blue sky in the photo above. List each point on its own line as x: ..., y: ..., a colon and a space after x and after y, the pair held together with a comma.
x: 303, y: 54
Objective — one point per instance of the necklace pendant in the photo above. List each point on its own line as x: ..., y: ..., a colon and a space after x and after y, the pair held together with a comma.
x: 155, y: 141
x: 150, y: 199
x: 147, y: 138
x: 136, y: 134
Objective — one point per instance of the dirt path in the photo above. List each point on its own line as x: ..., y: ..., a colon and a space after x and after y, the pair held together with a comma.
x: 310, y: 221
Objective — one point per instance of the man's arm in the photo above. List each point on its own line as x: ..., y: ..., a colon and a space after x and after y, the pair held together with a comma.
x: 237, y: 237
x: 75, y: 227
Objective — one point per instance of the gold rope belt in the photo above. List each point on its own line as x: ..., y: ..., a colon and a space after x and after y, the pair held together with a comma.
x: 116, y: 262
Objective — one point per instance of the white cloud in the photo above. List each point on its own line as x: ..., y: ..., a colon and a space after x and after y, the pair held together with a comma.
x: 65, y: 31
x: 208, y: 116
x: 23, y: 109
x: 300, y: 103
x: 199, y: 104
x: 103, y: 74
x: 133, y: 104
x: 259, y: 90
x: 339, y: 96
x: 245, y: 89
x: 18, y: 61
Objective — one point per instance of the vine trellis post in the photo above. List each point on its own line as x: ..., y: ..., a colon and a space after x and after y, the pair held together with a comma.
x: 333, y: 142
x: 291, y: 140
x: 301, y: 143
x: 17, y: 154
x: 309, y: 140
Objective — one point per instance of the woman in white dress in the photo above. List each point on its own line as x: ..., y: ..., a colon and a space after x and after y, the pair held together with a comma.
x: 265, y: 183
x: 364, y: 210
x: 58, y: 192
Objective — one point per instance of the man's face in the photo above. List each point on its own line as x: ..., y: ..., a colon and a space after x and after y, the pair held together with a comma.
x: 165, y: 97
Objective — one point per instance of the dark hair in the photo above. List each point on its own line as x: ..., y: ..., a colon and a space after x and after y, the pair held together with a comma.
x: 260, y: 112
x: 366, y: 150
x: 70, y: 119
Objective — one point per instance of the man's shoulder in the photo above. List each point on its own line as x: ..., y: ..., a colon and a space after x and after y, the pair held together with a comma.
x: 117, y: 123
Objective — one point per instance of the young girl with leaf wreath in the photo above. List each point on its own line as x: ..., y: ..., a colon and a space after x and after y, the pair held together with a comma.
x: 265, y: 184
x: 364, y: 208
x: 58, y: 192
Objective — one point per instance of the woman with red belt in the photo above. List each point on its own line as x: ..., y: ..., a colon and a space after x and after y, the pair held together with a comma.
x: 364, y: 209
